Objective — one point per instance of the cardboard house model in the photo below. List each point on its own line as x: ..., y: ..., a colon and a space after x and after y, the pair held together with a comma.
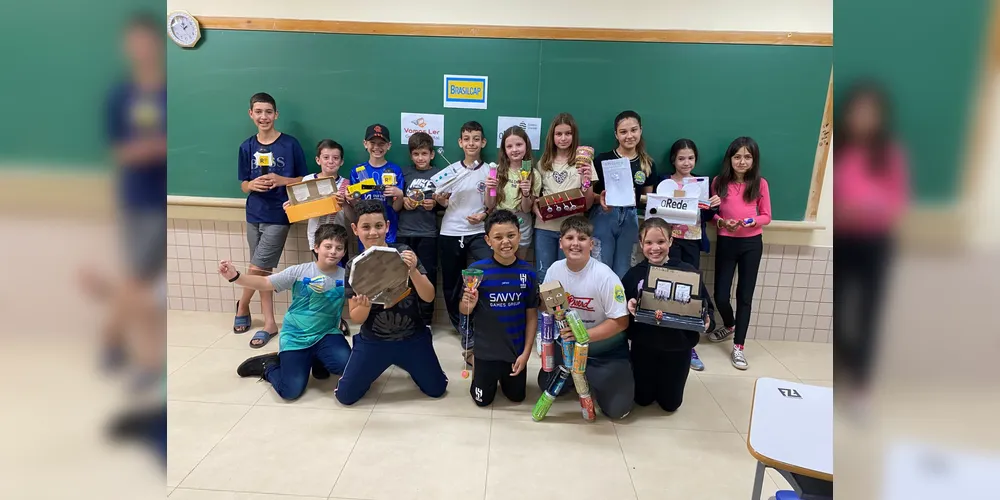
x: 312, y: 198
x: 380, y: 274
x: 671, y: 298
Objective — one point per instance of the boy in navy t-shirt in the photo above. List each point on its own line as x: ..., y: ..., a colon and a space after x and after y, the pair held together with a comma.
x: 268, y: 161
x: 503, y: 313
x: 384, y: 173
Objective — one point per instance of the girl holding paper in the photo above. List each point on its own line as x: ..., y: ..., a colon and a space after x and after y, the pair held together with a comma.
x: 616, y: 223
x: 687, y: 239
x: 745, y: 210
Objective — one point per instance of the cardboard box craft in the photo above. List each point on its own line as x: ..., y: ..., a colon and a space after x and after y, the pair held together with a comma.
x: 676, y: 295
x: 561, y: 204
x: 312, y: 198
x: 380, y: 274
x: 554, y: 297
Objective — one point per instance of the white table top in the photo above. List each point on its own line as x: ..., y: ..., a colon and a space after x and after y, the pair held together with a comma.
x: 793, y: 433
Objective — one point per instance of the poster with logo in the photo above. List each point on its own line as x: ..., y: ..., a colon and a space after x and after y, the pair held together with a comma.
x: 411, y: 123
x: 466, y: 91
x: 673, y: 209
x: 533, y: 126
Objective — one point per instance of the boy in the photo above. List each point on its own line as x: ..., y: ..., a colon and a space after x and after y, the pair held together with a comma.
x: 389, y: 336
x: 597, y: 295
x: 503, y: 312
x: 384, y: 173
x: 330, y: 157
x: 418, y: 220
x: 462, y: 232
x: 267, y: 225
x: 309, y: 331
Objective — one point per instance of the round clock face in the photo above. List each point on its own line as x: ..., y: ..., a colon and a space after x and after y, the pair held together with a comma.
x: 183, y: 29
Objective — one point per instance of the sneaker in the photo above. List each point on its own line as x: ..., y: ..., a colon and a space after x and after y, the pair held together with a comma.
x: 257, y: 365
x: 739, y: 359
x: 696, y: 363
x: 721, y: 333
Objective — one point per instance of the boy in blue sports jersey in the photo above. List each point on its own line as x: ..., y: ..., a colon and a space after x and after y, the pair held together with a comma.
x: 311, y: 337
x: 267, y: 224
x: 503, y: 314
x: 384, y: 173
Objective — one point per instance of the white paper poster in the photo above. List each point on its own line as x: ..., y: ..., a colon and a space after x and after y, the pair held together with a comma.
x: 617, y: 175
x: 675, y: 210
x: 466, y: 91
x: 411, y: 123
x: 693, y: 187
x: 533, y: 126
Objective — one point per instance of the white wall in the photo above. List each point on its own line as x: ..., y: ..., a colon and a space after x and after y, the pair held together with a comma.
x: 718, y: 15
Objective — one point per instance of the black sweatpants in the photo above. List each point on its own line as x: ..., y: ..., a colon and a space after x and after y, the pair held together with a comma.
x: 737, y: 256
x: 609, y: 376
x: 660, y: 376
x: 427, y: 253
x: 456, y: 253
x: 859, y: 280
x: 488, y: 374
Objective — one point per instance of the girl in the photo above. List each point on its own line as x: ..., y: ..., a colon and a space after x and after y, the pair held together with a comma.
x: 617, y: 228
x: 660, y: 355
x: 745, y: 209
x: 687, y: 240
x: 870, y: 195
x: 513, y: 192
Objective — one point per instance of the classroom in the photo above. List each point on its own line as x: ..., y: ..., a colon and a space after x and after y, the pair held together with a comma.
x: 368, y: 76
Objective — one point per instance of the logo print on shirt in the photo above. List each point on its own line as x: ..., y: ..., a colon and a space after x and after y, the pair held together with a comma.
x: 481, y: 187
x: 524, y: 281
x: 619, y: 294
x: 581, y: 303
x: 639, y: 177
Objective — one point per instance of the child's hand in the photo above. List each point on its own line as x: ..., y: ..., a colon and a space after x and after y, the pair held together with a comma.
x: 632, y: 304
x: 470, y: 297
x: 409, y: 204
x: 442, y: 199
x: 429, y: 203
x: 519, y: 364
x: 260, y: 185
x: 714, y: 201
x: 732, y: 225
x: 410, y: 259
x: 567, y: 334
x: 538, y: 213
x: 476, y: 218
x: 360, y: 301
x: 392, y: 192
x: 708, y: 322
x: 753, y: 223
x: 286, y: 204
x: 274, y: 179
x: 227, y: 269
x: 525, y: 186
x: 492, y: 183
x: 604, y: 201
x: 341, y: 198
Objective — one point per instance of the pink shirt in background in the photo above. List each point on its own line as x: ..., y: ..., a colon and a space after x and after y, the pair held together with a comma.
x: 735, y: 207
x: 867, y: 202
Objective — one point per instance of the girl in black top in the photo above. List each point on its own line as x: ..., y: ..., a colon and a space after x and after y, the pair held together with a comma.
x: 661, y: 356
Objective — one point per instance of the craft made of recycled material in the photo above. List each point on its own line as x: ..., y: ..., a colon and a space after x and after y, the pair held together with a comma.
x: 671, y: 298
x: 380, y: 274
x: 561, y: 204
x: 312, y: 198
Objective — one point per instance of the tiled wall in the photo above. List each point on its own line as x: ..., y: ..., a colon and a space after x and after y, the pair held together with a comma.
x: 793, y: 300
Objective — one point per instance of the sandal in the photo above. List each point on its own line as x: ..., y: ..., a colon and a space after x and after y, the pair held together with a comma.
x: 262, y: 337
x: 241, y: 324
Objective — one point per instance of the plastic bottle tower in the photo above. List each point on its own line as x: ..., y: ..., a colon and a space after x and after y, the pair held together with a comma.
x: 472, y: 278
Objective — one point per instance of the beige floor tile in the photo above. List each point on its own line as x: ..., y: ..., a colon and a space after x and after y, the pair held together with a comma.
x: 178, y: 356
x: 821, y: 383
x: 193, y: 429
x: 197, y: 329
x: 762, y: 364
x: 187, y: 494
x: 401, y: 395
x: 517, y: 449
x: 806, y: 360
x: 241, y: 342
x: 320, y: 394
x: 170, y: 489
x: 431, y: 457
x: 734, y: 395
x: 698, y: 412
x: 281, y: 450
x: 565, y: 410
x: 211, y: 377
x: 668, y: 463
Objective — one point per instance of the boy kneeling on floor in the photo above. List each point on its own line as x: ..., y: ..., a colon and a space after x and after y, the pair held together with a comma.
x: 311, y: 333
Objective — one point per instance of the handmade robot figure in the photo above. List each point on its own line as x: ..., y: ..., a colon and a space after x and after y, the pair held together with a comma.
x: 574, y: 353
x: 670, y: 298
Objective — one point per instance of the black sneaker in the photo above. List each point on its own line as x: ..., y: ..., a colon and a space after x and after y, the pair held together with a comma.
x: 257, y: 365
x: 319, y: 371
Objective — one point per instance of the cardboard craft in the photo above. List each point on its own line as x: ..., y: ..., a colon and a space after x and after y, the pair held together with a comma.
x: 311, y: 198
x: 554, y: 298
x: 676, y: 295
x: 381, y: 275
x: 675, y: 210
x: 561, y: 204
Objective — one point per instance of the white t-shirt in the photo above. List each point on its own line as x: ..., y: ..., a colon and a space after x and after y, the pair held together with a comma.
x: 466, y: 199
x: 315, y: 222
x: 562, y: 177
x: 596, y: 294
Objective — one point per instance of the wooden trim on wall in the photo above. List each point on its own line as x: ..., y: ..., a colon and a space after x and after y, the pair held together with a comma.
x: 518, y: 32
x: 822, y: 155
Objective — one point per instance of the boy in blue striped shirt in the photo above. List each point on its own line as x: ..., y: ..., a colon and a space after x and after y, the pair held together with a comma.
x: 503, y: 314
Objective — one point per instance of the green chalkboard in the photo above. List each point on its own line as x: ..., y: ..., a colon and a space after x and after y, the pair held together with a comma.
x: 331, y: 85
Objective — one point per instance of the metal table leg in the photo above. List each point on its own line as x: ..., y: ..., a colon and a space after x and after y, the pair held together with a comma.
x: 758, y: 481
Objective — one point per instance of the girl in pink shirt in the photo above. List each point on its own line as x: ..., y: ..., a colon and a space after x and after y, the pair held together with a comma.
x: 745, y: 210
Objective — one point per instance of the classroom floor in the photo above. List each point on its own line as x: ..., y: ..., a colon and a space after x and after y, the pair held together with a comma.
x: 230, y: 435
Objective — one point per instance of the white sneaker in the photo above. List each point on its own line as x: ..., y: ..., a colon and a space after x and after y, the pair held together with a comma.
x: 739, y: 359
x: 721, y: 333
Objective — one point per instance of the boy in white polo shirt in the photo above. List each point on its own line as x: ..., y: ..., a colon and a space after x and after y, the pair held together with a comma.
x: 462, y: 232
x: 597, y: 295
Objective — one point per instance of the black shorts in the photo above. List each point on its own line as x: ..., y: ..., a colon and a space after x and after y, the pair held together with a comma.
x: 488, y: 374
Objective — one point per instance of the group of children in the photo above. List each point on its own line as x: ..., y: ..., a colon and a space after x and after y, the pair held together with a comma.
x: 492, y: 220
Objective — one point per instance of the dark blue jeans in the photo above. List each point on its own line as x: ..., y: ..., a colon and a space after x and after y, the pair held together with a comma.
x: 371, y: 358
x: 547, y: 251
x: 289, y: 378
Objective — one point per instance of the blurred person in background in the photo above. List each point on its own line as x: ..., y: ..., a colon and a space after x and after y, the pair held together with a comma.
x: 134, y: 337
x: 871, y: 192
